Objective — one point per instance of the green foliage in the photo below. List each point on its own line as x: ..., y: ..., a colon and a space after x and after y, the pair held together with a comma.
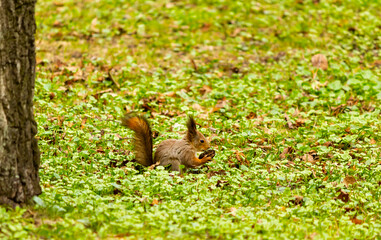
x: 286, y: 135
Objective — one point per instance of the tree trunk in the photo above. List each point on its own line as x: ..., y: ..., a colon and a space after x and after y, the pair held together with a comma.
x: 19, y: 154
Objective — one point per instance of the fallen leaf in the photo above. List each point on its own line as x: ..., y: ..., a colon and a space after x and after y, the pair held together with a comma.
x: 286, y: 151
x: 352, y: 101
x: 241, y: 158
x: 83, y: 124
x: 338, y: 109
x: 154, y: 202
x: 299, y: 122
x: 57, y: 24
x: 314, y: 234
x: 251, y: 115
x: 205, y: 90
x: 296, y: 112
x: 279, y: 97
x: 236, y: 32
x: 377, y: 63
x: 343, y: 196
x: 327, y: 144
x: 222, y: 103
x: 52, y: 95
x: 221, y: 183
x: 348, y: 180
x: 320, y: 61
x: 170, y: 94
x: 289, y: 123
x: 308, y: 158
x: 93, y: 25
x: 357, y: 221
x: 233, y: 211
x: 298, y: 200
x: 58, y: 4
x: 197, y: 107
x: 205, y: 27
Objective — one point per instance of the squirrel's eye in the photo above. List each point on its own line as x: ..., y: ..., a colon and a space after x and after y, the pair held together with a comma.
x: 202, y: 141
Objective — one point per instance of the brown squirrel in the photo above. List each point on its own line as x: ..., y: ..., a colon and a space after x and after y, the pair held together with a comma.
x: 171, y: 151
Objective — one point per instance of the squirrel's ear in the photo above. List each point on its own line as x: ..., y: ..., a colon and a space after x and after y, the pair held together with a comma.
x: 191, y: 125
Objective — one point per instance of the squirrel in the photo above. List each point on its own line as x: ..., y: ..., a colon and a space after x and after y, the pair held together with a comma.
x: 172, y: 151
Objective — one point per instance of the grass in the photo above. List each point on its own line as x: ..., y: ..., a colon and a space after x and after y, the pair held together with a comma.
x: 297, y: 148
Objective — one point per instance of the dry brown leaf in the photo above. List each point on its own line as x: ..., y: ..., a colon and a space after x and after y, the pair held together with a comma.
x: 348, y: 180
x: 221, y: 183
x: 377, y: 63
x: 220, y: 104
x: 214, y: 173
x: 251, y: 115
x: 279, y: 97
x: 339, y: 109
x: 320, y: 61
x: 197, y: 107
x: 327, y: 144
x: 308, y: 158
x: 236, y: 126
x: 343, y: 196
x: 357, y: 221
x: 241, y: 158
x: 314, y: 234
x: 154, y: 202
x: 205, y: 90
x: 52, y: 95
x: 288, y: 120
x: 100, y: 150
x: 286, y: 151
x: 233, y: 211
x: 372, y: 141
x: 84, y: 120
x: 296, y: 113
x: 205, y: 27
x: 352, y: 101
x: 299, y: 122
x: 57, y: 24
x: 58, y: 4
x: 298, y: 200
x: 236, y: 32
x: 93, y: 25
x: 170, y: 94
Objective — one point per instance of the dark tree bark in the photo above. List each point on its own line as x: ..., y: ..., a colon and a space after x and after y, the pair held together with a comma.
x: 19, y: 154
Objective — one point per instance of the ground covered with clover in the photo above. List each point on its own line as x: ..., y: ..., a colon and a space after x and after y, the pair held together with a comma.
x: 297, y: 147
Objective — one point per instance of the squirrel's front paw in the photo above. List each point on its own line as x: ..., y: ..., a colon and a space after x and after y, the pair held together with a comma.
x: 207, y: 154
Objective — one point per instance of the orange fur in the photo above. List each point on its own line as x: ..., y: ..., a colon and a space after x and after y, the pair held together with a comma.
x: 172, y: 151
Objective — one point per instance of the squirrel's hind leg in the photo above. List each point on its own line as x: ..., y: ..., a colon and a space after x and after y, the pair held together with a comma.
x: 175, y: 166
x: 175, y: 163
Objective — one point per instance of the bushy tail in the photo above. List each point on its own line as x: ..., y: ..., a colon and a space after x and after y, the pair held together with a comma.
x: 142, y: 139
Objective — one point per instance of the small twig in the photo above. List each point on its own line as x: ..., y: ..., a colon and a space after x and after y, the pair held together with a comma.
x: 103, y: 91
x: 194, y: 65
x: 289, y: 123
x: 314, y: 74
x: 113, y: 80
